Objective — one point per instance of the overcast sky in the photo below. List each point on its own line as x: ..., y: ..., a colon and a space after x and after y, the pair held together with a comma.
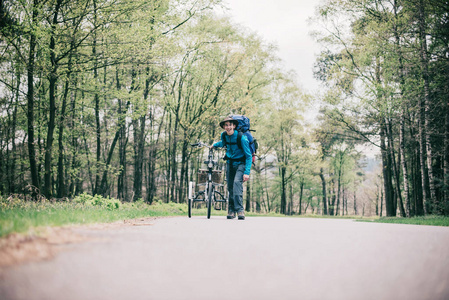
x: 283, y: 23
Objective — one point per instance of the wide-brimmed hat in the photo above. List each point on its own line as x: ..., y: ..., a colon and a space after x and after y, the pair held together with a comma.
x: 228, y: 119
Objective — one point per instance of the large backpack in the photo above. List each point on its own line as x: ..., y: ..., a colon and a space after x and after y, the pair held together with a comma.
x: 243, y: 128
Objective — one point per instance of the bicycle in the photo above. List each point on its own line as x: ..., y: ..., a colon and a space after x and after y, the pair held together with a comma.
x: 210, y: 178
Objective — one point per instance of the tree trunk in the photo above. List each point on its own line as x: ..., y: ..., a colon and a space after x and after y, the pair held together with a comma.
x: 50, y: 134
x: 30, y: 105
x: 266, y: 191
x: 386, y: 171
x: 61, y: 182
x: 40, y: 116
x: 337, y: 210
x: 301, y: 193
x: 151, y: 184
x: 122, y: 189
x: 98, y: 136
x: 446, y: 148
x: 397, y: 185
x: 377, y: 202
x: 52, y: 109
x: 122, y: 193
x: 422, y: 158
x: 122, y: 123
x: 75, y: 181
x: 283, y: 194
x: 446, y: 161
x: 61, y: 190
x: 425, y: 107
x: 104, y: 182
x: 418, y: 180
x: 174, y: 166
x: 290, y: 205
x: 97, y: 106
x: 381, y: 201
x: 307, y: 206
x: 151, y: 181
x: 355, y: 200
x: 153, y: 155
x: 89, y: 169
x: 333, y: 198
x: 404, y: 163
x: 403, y: 112
x: 257, y: 188
x: 139, y: 146
x: 12, y: 172
x: 3, y: 167
x: 323, y: 185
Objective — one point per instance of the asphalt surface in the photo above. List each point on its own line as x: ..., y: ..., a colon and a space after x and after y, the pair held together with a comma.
x: 259, y: 258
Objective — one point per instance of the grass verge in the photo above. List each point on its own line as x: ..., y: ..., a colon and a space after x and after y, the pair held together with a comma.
x: 427, y: 220
x: 18, y: 216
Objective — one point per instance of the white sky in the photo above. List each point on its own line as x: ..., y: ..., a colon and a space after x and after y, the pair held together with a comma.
x: 283, y: 23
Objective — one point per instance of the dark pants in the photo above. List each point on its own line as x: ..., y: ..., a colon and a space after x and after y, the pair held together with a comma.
x: 235, y: 186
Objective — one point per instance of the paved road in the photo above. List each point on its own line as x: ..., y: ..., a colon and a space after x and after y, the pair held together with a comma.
x: 259, y: 258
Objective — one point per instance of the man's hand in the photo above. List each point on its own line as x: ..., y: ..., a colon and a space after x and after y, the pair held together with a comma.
x: 245, y: 177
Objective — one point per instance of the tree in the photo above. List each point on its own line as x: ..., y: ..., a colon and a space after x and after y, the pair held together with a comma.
x: 115, y: 91
x: 372, y: 61
x: 283, y: 129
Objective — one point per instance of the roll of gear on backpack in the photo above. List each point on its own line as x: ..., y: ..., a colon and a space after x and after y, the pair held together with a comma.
x: 243, y: 128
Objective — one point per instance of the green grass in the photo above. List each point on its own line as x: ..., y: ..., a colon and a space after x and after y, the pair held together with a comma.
x: 18, y: 216
x: 427, y: 220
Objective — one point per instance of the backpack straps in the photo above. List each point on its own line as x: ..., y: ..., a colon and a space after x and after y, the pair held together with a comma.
x: 223, y: 140
x: 239, y: 139
x: 239, y: 144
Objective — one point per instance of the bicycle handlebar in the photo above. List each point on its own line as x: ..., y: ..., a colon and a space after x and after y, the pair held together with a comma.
x: 199, y: 144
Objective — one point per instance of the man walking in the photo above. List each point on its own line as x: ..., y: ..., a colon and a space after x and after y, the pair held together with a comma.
x: 239, y: 158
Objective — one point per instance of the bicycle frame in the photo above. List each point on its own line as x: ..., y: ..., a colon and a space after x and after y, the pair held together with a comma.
x: 210, y: 195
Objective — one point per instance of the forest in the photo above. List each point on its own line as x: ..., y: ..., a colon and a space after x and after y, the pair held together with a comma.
x: 105, y: 97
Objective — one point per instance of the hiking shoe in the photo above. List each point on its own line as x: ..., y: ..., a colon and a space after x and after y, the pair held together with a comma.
x: 241, y: 215
x: 231, y: 215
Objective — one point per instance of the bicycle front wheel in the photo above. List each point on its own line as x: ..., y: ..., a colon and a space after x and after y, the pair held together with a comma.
x: 210, y: 194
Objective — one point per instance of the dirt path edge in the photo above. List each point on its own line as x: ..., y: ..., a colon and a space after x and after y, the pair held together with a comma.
x: 44, y: 243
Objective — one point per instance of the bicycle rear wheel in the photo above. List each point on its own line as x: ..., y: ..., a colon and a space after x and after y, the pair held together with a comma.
x: 210, y: 194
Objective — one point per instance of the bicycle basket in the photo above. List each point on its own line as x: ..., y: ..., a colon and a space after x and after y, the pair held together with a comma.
x: 202, y: 176
x: 216, y: 176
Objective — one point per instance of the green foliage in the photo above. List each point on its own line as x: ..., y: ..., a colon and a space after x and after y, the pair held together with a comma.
x: 97, y: 200
x: 143, y: 79
x: 157, y: 73
x: 382, y: 61
x: 428, y: 220
x: 18, y: 215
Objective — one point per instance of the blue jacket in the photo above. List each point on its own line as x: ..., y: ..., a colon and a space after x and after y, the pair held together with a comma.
x: 235, y: 153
